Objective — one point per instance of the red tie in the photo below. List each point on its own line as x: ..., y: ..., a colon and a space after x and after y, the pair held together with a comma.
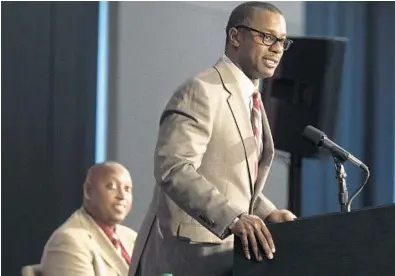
x: 121, y: 251
x: 256, y: 120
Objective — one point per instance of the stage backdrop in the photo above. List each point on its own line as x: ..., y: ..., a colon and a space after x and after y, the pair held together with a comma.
x: 366, y: 114
x: 49, y: 54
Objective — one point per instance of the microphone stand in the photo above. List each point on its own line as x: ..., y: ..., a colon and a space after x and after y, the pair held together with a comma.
x: 341, y: 177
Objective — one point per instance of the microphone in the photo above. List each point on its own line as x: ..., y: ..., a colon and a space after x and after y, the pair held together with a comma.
x: 320, y: 139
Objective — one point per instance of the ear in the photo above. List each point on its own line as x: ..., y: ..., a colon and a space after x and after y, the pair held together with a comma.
x: 87, y: 190
x: 234, y: 37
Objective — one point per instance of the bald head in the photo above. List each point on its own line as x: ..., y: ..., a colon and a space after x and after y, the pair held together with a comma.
x: 108, y: 192
x: 102, y: 170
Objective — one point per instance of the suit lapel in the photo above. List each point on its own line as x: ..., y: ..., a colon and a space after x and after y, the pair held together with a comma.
x: 125, y: 240
x: 236, y: 105
x: 105, y: 248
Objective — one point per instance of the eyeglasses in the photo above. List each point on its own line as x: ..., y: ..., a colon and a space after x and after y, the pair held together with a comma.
x: 268, y: 39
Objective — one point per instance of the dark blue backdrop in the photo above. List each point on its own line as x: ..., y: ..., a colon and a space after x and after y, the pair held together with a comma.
x: 366, y: 116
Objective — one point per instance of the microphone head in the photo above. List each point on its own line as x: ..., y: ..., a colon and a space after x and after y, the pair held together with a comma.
x: 314, y: 135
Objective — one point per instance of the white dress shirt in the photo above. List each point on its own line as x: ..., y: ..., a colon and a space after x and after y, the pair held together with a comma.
x: 245, y: 84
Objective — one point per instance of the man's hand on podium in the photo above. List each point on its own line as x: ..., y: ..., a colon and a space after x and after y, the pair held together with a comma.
x: 252, y: 231
x: 280, y: 216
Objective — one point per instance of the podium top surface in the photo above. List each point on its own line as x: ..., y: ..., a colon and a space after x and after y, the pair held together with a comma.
x: 361, y: 242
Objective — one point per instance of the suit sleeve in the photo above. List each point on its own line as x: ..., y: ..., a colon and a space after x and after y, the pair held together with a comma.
x: 64, y: 256
x: 185, y: 130
x: 263, y: 206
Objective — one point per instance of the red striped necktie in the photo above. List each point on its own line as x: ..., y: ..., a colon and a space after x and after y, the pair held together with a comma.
x: 121, y: 251
x: 256, y: 120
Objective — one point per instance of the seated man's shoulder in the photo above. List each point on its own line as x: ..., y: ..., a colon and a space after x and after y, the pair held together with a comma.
x: 69, y: 251
x: 69, y: 233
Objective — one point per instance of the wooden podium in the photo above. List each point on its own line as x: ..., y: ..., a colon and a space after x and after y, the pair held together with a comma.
x: 360, y: 243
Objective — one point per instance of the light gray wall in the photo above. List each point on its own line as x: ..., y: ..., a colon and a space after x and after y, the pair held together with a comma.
x: 154, y: 47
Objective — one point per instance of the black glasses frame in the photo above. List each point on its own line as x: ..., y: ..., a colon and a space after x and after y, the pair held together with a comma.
x: 285, y: 42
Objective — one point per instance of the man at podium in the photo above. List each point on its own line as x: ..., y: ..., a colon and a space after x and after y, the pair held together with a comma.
x: 213, y: 156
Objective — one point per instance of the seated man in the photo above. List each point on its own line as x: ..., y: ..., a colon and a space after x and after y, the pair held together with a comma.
x: 91, y: 242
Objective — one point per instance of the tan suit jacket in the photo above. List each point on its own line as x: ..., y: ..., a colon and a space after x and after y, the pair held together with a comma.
x: 80, y: 248
x: 205, y: 161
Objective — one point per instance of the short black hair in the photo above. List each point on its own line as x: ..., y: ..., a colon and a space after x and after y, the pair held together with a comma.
x: 242, y: 14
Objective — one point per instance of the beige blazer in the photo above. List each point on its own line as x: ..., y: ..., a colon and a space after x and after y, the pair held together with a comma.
x: 80, y: 248
x: 205, y: 160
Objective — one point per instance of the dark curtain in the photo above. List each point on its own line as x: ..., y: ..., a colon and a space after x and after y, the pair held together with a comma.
x: 366, y: 117
x: 49, y: 65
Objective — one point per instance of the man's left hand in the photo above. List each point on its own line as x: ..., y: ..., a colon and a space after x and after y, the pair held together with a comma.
x: 280, y: 216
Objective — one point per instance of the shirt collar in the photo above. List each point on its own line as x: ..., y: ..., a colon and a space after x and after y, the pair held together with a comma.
x: 107, y: 229
x: 245, y: 84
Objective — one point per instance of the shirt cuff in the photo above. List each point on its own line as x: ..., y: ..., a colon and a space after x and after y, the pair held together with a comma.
x: 234, y: 221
